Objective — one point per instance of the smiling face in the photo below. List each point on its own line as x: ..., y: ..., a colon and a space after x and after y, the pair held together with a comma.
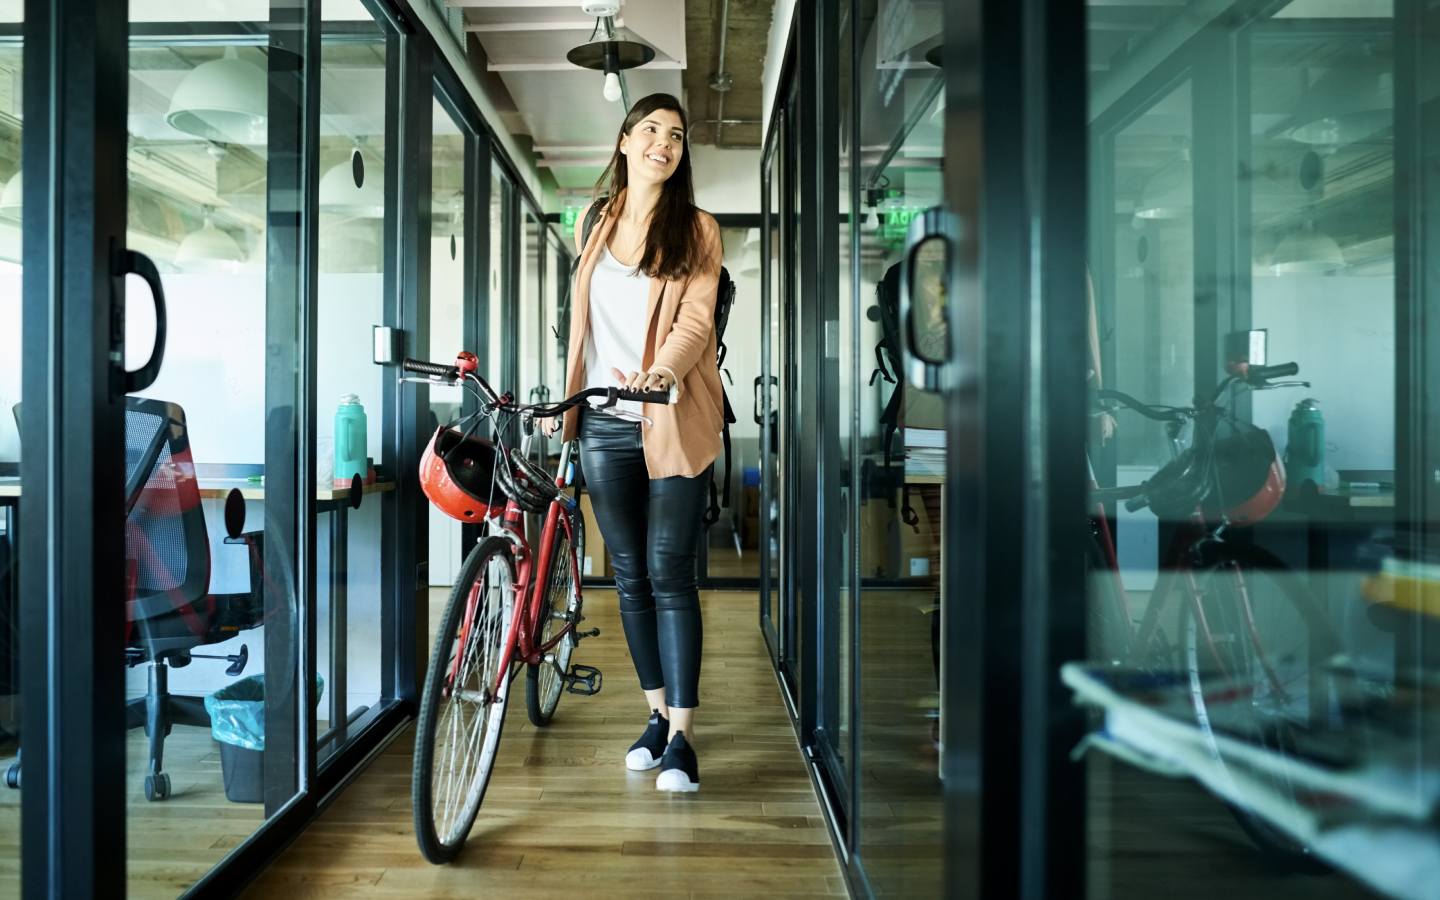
x: 654, y: 146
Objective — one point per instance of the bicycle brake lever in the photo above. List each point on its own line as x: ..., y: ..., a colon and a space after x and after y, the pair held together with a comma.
x: 626, y: 415
x: 1279, y: 384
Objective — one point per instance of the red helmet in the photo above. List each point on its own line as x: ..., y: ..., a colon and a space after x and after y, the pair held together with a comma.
x: 458, y: 475
x: 1252, y: 480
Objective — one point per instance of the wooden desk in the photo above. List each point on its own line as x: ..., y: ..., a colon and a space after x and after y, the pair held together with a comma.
x: 335, y: 501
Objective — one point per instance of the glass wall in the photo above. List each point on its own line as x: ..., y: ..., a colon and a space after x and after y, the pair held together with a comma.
x: 531, y: 311
x: 446, y: 320
x: 499, y: 191
x: 1248, y: 569
x: 733, y: 549
x: 349, y: 386
x: 900, y: 440
x: 199, y: 206
x: 11, y: 124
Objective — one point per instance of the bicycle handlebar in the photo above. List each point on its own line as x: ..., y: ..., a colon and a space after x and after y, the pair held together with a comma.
x: 1255, y: 374
x: 434, y: 370
x: 611, y: 395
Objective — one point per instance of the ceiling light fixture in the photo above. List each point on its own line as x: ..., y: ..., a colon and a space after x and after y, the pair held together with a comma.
x: 1348, y: 103
x: 226, y: 100
x: 10, y: 198
x: 348, y: 189
x: 209, y: 251
x: 1307, y: 252
x: 609, y: 54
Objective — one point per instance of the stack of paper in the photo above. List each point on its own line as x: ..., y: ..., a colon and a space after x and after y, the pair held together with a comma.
x: 924, y: 452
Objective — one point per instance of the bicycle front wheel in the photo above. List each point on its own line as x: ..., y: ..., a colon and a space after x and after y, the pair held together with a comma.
x: 1258, y: 649
x: 462, y: 709
x: 559, y: 606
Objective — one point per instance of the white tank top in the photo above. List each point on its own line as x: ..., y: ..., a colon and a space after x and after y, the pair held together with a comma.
x: 619, y: 295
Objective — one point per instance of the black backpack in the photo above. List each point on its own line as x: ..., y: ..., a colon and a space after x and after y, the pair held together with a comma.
x: 887, y: 311
x: 724, y: 301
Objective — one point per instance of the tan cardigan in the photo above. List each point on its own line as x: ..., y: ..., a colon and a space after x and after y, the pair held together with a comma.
x: 680, y: 336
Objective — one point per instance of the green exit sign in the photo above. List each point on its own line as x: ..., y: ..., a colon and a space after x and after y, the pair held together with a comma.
x: 568, y: 215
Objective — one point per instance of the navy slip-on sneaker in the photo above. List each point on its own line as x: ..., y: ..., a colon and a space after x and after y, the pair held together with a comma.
x: 646, y: 752
x: 680, y: 772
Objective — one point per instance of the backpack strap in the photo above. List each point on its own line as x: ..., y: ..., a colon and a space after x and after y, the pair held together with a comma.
x: 592, y: 216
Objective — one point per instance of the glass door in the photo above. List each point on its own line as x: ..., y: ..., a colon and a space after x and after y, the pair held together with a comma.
x: 448, y: 249
x: 766, y: 399
x: 350, y: 394
x: 12, y: 121
x: 220, y: 702
x: 899, y: 460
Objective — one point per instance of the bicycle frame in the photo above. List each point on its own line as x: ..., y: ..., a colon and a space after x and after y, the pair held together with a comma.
x: 530, y: 578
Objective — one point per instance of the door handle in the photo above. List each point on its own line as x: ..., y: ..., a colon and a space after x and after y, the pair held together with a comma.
x: 760, y: 381
x: 137, y: 263
x: 924, y: 307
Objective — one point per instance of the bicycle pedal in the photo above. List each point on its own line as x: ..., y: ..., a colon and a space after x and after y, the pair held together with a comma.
x: 594, y: 632
x: 583, y: 680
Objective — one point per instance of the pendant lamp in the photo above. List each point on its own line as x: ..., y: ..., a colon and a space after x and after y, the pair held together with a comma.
x: 351, y: 189
x: 10, y: 198
x: 608, y: 54
x: 1348, y: 103
x: 225, y: 100
x: 209, y: 251
x: 1307, y: 252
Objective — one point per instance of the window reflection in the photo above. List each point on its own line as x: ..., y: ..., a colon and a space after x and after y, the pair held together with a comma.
x: 1238, y: 633
x: 11, y: 122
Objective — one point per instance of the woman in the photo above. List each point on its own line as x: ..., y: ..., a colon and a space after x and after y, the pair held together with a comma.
x: 644, y: 318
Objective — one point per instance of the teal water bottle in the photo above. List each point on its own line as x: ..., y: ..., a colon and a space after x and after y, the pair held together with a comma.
x: 1305, y: 450
x: 350, y: 432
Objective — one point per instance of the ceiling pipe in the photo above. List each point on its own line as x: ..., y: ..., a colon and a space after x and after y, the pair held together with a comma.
x: 721, y: 80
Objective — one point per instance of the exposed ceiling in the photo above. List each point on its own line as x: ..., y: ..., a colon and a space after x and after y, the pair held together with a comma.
x: 520, y: 51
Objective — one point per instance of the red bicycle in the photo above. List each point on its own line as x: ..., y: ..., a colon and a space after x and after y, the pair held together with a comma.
x: 510, y: 607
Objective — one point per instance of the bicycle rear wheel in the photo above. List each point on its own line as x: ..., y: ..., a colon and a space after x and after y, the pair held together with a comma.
x: 1258, y: 661
x: 462, y: 709
x: 560, y: 605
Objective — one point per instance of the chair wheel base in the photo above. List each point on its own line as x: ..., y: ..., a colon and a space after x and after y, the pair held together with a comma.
x: 157, y: 787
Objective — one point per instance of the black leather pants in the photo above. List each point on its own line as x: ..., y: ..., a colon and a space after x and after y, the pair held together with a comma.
x: 652, y: 529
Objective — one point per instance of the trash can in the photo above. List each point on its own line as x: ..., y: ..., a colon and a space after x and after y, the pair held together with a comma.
x: 237, y: 721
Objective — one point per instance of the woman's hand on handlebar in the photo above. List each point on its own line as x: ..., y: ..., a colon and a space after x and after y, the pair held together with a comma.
x: 549, y: 425
x: 656, y: 380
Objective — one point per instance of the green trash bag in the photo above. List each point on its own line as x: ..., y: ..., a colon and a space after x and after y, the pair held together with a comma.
x: 237, y: 711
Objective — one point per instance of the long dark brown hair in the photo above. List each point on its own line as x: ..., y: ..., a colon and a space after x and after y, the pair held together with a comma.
x: 673, y: 243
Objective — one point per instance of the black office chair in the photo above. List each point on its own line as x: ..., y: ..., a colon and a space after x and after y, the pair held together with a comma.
x: 169, y: 610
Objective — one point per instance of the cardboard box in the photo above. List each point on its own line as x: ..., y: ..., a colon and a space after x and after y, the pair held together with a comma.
x: 752, y: 501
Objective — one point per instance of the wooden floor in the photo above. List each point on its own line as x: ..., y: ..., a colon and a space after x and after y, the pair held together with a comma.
x: 564, y: 818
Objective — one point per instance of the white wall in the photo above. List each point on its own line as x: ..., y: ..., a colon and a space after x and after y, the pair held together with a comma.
x: 726, y: 181
x: 1341, y: 330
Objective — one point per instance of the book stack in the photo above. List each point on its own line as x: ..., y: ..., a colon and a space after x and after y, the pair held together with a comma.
x: 924, y: 452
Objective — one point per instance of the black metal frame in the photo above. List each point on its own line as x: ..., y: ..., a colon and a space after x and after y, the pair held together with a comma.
x: 72, y: 596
